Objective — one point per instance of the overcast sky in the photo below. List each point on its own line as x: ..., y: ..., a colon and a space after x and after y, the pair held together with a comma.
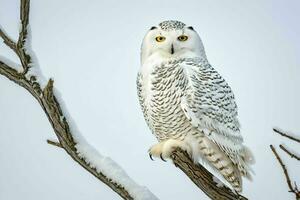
x: 91, y: 49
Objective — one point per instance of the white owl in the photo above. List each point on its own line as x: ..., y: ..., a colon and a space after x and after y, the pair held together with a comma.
x: 187, y: 104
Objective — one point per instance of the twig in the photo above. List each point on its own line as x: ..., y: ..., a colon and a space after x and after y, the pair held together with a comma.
x: 18, y: 47
x: 289, y: 153
x: 7, y: 40
x: 286, y: 135
x: 288, y: 180
x: 57, y: 144
x: 24, y: 17
x: 25, y: 59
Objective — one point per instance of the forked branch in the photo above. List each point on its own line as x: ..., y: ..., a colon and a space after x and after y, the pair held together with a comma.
x: 286, y: 174
x: 293, y: 189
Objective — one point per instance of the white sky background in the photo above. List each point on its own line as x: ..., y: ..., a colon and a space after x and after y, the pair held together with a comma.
x: 91, y: 48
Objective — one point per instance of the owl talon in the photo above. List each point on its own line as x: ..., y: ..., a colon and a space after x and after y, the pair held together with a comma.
x: 161, y: 157
x: 150, y: 155
x: 164, y: 149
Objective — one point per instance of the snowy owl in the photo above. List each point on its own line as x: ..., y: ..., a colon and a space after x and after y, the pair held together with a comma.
x: 187, y: 104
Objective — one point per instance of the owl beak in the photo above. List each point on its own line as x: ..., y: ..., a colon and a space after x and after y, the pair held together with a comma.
x: 172, y: 49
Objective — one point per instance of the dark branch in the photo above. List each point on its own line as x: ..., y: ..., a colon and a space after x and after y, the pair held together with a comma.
x: 25, y: 59
x: 289, y: 152
x: 286, y: 135
x: 24, y: 17
x: 57, y: 144
x: 18, y: 47
x: 287, y: 177
x: 7, y: 40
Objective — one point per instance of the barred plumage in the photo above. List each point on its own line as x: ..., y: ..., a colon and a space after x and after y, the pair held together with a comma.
x: 185, y: 100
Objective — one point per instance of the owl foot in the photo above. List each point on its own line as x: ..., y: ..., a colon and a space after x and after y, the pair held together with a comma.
x: 164, y: 149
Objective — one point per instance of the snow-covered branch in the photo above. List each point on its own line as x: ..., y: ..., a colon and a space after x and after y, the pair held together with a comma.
x: 30, y: 78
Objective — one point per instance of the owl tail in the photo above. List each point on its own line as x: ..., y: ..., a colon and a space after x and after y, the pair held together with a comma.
x: 245, y: 159
x: 220, y: 163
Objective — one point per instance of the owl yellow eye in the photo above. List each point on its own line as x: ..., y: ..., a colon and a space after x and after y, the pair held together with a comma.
x: 160, y: 38
x: 183, y: 38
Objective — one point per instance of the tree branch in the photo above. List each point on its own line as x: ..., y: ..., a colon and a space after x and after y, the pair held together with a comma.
x: 286, y: 135
x: 203, y: 178
x: 52, y: 108
x: 57, y: 144
x: 289, y: 152
x: 287, y: 177
x: 24, y: 17
x: 7, y: 40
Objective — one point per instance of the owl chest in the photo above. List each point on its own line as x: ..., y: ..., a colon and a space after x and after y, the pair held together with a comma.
x: 163, y: 90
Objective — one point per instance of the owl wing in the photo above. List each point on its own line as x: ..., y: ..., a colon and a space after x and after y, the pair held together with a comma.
x: 142, y: 98
x: 209, y: 104
x: 139, y: 89
x: 209, y: 100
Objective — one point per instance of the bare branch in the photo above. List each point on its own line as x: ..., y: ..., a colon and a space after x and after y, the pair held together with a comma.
x: 57, y: 144
x: 25, y: 59
x: 18, y: 47
x: 7, y: 40
x: 24, y: 17
x: 288, y: 180
x: 289, y: 152
x: 286, y: 135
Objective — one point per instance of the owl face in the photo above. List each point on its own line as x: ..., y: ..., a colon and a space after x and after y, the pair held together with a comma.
x: 171, y: 39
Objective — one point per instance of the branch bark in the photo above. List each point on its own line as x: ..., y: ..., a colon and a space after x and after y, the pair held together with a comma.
x: 289, y: 152
x: 284, y: 149
x: 57, y: 144
x: 286, y: 174
x: 286, y: 135
x: 49, y: 103
x: 203, y: 178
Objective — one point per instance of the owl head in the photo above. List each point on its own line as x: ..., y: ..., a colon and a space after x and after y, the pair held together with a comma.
x: 171, y: 39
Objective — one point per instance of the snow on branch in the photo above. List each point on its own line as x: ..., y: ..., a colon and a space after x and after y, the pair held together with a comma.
x: 69, y: 138
x: 30, y: 78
